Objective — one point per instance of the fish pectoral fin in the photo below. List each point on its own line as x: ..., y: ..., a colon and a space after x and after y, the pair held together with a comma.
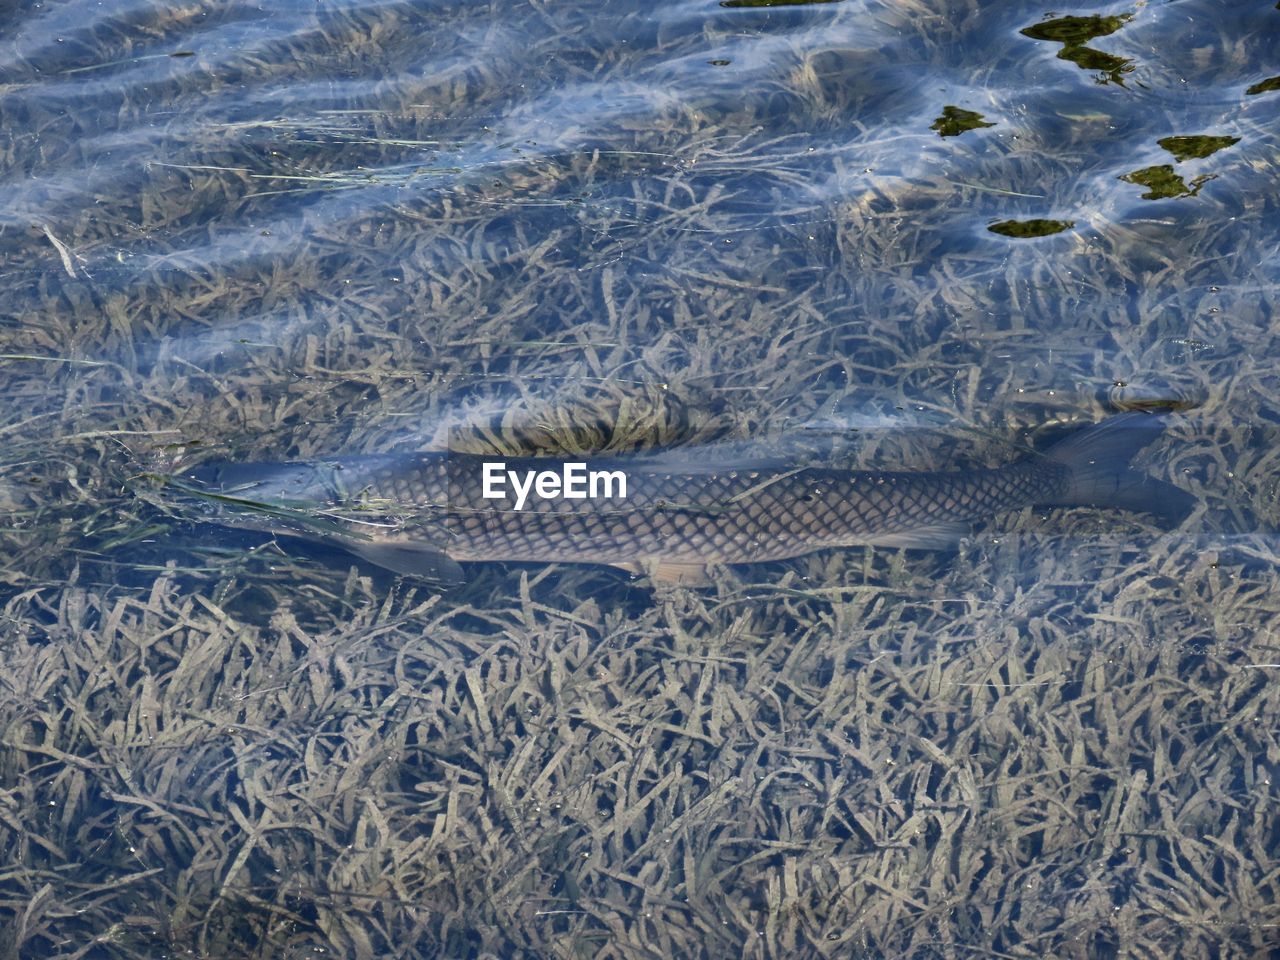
x: 939, y: 536
x: 688, y: 574
x: 633, y: 567
x: 425, y: 563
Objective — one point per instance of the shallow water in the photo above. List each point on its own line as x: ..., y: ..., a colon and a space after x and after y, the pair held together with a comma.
x: 901, y: 234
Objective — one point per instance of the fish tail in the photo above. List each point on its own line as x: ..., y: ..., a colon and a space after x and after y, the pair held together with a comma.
x: 1098, y: 458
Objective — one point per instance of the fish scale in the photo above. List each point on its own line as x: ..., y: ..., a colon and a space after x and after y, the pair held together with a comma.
x: 421, y: 513
x: 739, y: 516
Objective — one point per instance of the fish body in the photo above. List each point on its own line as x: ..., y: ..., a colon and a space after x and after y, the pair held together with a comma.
x: 424, y: 513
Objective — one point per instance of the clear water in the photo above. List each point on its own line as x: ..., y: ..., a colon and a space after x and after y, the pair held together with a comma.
x: 906, y: 233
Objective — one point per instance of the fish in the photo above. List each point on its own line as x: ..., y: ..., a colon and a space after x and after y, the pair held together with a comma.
x: 671, y: 515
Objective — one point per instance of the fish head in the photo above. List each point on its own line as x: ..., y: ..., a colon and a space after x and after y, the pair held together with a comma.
x: 277, y: 484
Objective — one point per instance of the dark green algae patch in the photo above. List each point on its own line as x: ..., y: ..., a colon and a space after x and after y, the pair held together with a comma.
x: 1195, y: 147
x: 1163, y: 184
x: 956, y: 120
x: 1161, y: 180
x: 1025, y: 229
x: 1074, y: 33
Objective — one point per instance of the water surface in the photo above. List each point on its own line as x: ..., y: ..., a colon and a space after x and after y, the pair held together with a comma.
x: 912, y: 234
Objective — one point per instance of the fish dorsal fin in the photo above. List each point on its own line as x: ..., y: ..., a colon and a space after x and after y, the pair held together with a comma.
x: 425, y: 563
x: 939, y: 536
